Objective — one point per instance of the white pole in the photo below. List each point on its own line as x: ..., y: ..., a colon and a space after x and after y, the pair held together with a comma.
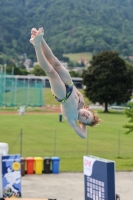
x: 42, y: 95
x: 13, y: 86
x: 4, y: 85
x: 24, y: 88
x: 15, y: 90
x: 28, y: 89
x: 36, y: 92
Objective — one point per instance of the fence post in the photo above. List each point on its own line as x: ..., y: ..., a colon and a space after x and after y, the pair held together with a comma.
x: 87, y: 142
x: 21, y: 142
x: 119, y: 144
x: 55, y: 143
x: 18, y: 138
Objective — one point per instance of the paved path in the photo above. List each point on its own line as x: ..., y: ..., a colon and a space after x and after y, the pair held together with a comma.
x: 70, y: 186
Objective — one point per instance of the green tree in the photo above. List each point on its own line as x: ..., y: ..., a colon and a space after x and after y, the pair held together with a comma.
x: 71, y: 64
x: 103, y: 25
x: 108, y: 79
x: 38, y: 71
x: 129, y: 114
x: 74, y: 74
x: 15, y: 70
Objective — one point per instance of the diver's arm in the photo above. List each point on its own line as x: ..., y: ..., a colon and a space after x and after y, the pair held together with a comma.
x: 80, y: 130
x: 81, y: 99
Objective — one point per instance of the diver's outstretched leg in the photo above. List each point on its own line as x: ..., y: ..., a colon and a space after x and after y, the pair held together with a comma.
x: 53, y: 60
x: 57, y: 85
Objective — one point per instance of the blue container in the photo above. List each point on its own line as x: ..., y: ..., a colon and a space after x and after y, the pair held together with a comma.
x: 55, y: 165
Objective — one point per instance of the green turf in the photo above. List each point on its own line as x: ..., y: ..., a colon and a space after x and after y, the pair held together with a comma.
x: 76, y: 56
x: 39, y: 137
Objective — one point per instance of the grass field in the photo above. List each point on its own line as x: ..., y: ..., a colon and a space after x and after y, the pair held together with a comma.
x: 38, y: 139
x: 75, y: 56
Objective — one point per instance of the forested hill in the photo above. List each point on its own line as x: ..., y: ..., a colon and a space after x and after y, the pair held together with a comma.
x: 70, y: 25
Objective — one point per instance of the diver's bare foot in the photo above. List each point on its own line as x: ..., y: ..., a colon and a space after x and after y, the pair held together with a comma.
x: 33, y: 31
x: 36, y: 36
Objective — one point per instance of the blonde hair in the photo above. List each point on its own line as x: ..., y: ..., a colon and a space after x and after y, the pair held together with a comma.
x: 95, y: 120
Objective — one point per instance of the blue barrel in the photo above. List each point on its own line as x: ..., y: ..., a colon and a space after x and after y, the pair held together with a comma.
x: 55, y: 165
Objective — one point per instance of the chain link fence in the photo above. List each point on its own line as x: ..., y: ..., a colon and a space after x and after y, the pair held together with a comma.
x: 71, y: 152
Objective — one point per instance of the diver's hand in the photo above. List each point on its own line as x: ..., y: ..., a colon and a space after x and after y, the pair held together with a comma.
x: 81, y: 101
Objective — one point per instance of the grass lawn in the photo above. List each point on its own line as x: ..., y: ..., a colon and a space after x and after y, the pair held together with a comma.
x: 38, y: 139
x: 75, y: 56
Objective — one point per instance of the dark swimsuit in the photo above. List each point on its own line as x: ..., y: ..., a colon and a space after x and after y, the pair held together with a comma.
x: 69, y: 89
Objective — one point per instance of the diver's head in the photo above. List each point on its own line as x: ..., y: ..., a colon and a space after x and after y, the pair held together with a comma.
x: 88, y: 117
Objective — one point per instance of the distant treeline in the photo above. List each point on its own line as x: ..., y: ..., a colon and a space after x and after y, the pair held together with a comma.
x: 70, y: 26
